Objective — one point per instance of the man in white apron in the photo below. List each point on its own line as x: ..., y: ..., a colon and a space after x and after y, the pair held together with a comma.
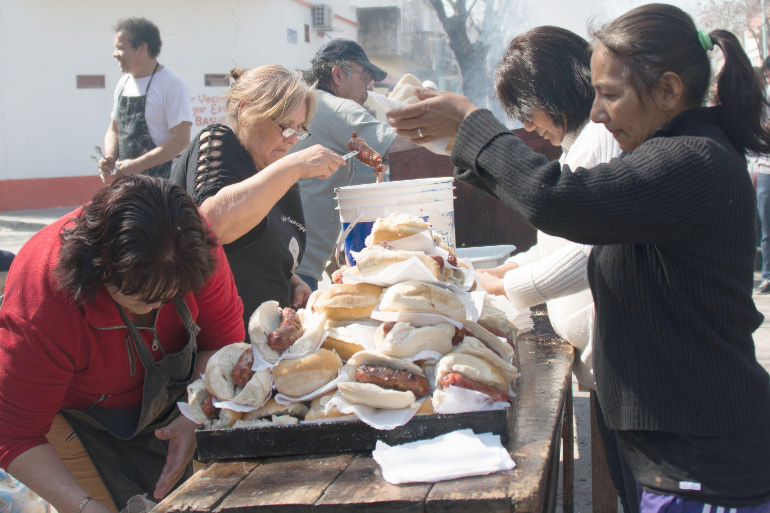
x: 152, y: 112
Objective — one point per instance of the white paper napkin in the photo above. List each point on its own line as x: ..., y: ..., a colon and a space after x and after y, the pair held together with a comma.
x: 461, y: 400
x: 457, y: 454
x: 375, y: 417
x: 438, y: 147
x: 284, y: 399
x: 410, y: 269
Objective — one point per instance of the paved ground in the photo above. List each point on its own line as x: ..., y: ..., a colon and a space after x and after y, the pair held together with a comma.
x: 17, y: 227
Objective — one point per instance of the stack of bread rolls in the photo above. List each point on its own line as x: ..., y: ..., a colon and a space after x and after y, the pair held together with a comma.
x: 424, y: 355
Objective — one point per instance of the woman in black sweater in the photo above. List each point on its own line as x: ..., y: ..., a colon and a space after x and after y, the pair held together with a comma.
x: 672, y: 221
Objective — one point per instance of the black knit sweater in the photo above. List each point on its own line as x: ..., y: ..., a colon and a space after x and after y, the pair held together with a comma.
x: 671, y: 273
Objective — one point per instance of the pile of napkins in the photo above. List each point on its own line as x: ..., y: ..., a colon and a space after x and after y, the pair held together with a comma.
x: 457, y: 454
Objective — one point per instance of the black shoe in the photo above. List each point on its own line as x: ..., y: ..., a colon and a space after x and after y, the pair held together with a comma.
x: 764, y: 287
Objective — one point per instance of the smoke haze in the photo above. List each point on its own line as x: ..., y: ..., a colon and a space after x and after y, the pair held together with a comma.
x: 578, y: 15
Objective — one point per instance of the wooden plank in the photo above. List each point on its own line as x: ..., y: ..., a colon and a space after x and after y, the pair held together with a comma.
x: 291, y: 483
x: 546, y: 367
x: 472, y: 494
x: 206, y: 488
x: 477, y: 493
x: 546, y: 363
x: 528, y: 483
x: 361, y: 486
x: 568, y: 454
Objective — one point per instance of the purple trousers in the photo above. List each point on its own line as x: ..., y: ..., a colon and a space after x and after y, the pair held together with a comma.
x: 654, y: 503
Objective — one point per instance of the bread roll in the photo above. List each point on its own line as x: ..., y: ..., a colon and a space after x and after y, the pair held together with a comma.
x: 426, y: 408
x: 495, y: 320
x: 348, y: 301
x: 340, y: 340
x: 219, y: 379
x: 369, y: 394
x: 196, y: 394
x: 375, y: 259
x: 394, y: 227
x: 267, y: 318
x: 473, y: 368
x: 492, y: 341
x: 271, y: 408
x: 402, y: 340
x: 403, y: 91
x: 318, y: 405
x: 256, y: 391
x: 474, y: 347
x: 421, y: 297
x: 298, y: 377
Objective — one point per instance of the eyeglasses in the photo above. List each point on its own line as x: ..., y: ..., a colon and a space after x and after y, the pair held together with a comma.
x: 364, y: 74
x: 288, y: 131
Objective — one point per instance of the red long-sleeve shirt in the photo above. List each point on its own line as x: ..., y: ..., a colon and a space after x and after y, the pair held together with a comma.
x: 54, y: 354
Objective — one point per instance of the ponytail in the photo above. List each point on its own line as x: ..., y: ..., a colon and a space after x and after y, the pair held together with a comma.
x: 655, y: 38
x: 740, y: 96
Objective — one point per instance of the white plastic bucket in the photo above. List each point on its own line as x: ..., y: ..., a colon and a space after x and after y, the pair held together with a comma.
x: 428, y: 198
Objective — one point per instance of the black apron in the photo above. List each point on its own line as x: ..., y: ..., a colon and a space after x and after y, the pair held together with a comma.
x: 121, y: 441
x: 133, y: 134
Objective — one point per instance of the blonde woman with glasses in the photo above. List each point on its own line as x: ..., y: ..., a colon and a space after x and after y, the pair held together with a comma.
x: 245, y: 184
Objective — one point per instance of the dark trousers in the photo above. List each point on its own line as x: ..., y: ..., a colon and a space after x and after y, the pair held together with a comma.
x: 620, y: 472
x: 312, y: 282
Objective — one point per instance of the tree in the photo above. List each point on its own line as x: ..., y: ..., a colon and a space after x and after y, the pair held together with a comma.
x: 477, y: 33
x: 737, y: 16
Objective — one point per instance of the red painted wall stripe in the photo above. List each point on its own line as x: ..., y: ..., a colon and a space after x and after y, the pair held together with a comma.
x: 47, y: 192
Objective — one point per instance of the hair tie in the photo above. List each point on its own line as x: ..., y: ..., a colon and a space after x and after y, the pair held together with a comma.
x: 705, y: 40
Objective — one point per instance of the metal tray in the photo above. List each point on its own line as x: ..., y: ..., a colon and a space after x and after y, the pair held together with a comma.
x: 339, y: 436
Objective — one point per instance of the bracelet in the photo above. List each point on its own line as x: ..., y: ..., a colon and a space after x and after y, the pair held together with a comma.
x: 83, y: 503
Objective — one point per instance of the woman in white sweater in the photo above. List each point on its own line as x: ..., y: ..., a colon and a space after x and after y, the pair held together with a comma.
x: 544, y: 80
x: 553, y: 271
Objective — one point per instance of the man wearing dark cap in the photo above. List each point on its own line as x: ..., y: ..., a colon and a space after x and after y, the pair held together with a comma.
x: 344, y: 75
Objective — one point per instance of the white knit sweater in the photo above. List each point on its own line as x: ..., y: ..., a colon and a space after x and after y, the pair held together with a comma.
x: 554, y: 270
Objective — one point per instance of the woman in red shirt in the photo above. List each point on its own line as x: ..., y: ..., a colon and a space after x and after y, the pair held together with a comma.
x: 108, y: 314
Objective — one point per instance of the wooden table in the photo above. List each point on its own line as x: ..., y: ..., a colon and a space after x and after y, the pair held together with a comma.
x: 349, y: 482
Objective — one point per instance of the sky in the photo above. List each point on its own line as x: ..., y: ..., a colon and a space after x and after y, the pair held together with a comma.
x: 575, y: 15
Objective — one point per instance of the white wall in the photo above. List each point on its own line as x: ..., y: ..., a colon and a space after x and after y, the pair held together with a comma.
x: 49, y: 127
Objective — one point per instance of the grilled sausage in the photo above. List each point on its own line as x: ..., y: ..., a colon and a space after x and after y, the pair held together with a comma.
x: 366, y: 154
x: 209, y: 410
x: 393, y: 379
x: 458, y: 380
x: 242, y: 372
x: 287, y: 333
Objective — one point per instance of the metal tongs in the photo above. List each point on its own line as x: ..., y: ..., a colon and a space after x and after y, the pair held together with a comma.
x: 98, y: 149
x: 348, y: 155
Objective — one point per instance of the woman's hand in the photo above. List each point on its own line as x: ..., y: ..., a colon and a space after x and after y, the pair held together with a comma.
x: 315, y: 161
x: 300, y: 292
x: 492, y: 284
x: 181, y: 436
x: 500, y: 270
x: 438, y: 114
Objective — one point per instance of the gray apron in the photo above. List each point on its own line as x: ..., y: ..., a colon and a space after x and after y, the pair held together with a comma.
x: 121, y: 441
x: 133, y: 134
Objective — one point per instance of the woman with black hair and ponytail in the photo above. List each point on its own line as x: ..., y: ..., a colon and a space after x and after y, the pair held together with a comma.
x: 671, y: 271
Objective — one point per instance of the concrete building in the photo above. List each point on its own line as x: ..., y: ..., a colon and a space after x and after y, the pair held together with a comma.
x: 59, y: 75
